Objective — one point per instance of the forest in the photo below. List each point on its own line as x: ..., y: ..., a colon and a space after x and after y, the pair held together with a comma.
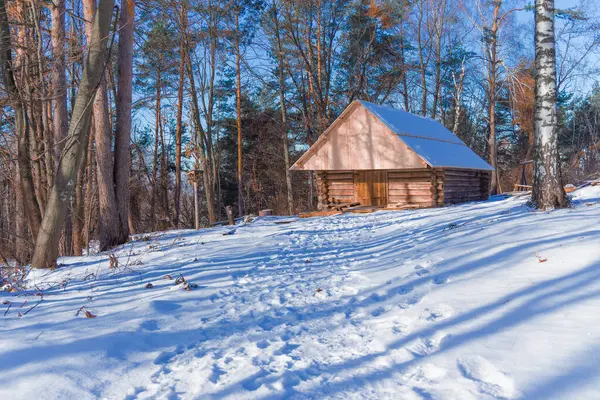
x: 134, y: 117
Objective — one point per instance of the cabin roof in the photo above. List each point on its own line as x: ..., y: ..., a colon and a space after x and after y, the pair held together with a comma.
x: 431, y: 140
x: 426, y: 137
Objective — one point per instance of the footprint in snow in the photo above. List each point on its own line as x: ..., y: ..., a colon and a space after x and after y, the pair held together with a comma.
x: 378, y: 311
x: 134, y: 392
x: 254, y: 382
x: 262, y: 344
x: 216, y: 374
x: 440, y: 279
x: 490, y: 380
x: 150, y: 325
x: 420, y: 270
x: 410, y: 301
x: 376, y: 297
x: 286, y: 349
x: 166, y: 356
x: 163, y: 306
x: 426, y: 346
x: 437, y: 313
x: 290, y: 379
x: 402, y: 326
x: 405, y: 289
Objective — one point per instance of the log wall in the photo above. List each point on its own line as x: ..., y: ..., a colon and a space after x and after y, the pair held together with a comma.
x: 340, y: 186
x: 415, y: 187
x: 412, y: 187
x: 460, y: 186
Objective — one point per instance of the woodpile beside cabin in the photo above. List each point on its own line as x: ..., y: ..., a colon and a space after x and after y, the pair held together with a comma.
x: 380, y: 156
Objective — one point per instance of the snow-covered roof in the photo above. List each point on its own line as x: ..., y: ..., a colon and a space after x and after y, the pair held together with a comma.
x: 431, y: 140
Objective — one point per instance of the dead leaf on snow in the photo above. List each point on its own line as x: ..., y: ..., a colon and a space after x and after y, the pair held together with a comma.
x: 540, y: 258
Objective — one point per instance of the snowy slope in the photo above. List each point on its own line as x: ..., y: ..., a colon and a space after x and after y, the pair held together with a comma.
x: 449, y: 303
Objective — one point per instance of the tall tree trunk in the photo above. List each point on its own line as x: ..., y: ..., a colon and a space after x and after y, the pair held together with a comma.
x: 284, y: 128
x: 30, y: 205
x: 439, y: 20
x: 22, y: 249
x: 179, y: 124
x: 78, y: 214
x: 60, y: 119
x: 108, y: 223
x: 46, y: 246
x: 155, y: 158
x: 44, y: 142
x: 164, y: 175
x: 458, y: 85
x: 422, y: 61
x: 238, y: 95
x: 123, y: 118
x: 209, y: 167
x: 90, y: 189
x: 492, y: 80
x: 59, y: 80
x: 206, y: 173
x: 548, y: 191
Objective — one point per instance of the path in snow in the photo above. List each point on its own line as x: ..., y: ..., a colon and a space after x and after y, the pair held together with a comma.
x: 439, y: 303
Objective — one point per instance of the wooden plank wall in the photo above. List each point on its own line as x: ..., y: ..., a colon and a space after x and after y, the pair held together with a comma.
x: 340, y: 186
x: 465, y: 185
x: 412, y: 187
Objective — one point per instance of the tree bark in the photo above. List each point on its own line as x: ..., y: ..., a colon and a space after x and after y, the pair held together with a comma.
x: 492, y: 80
x: 179, y: 124
x: 238, y: 95
x: 155, y: 158
x: 439, y: 20
x: 548, y: 191
x: 59, y: 80
x: 22, y: 249
x: 78, y: 214
x: 123, y: 100
x: 32, y: 209
x: 108, y: 222
x: 46, y: 246
x: 458, y: 85
x: 284, y: 127
x: 164, y: 175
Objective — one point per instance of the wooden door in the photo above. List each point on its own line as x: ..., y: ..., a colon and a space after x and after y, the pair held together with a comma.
x: 370, y: 188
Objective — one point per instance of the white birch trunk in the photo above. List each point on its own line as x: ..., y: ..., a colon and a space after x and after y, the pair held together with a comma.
x: 548, y: 192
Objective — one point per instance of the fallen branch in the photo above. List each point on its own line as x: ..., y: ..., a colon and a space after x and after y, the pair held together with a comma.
x: 8, y: 308
x: 34, y: 306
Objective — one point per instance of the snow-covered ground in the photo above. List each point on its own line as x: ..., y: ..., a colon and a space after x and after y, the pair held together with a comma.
x: 448, y: 303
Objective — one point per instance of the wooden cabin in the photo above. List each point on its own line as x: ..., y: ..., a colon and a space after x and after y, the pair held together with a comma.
x: 380, y: 156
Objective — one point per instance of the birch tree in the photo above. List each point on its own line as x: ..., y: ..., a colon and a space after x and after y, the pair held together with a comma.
x: 548, y: 191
